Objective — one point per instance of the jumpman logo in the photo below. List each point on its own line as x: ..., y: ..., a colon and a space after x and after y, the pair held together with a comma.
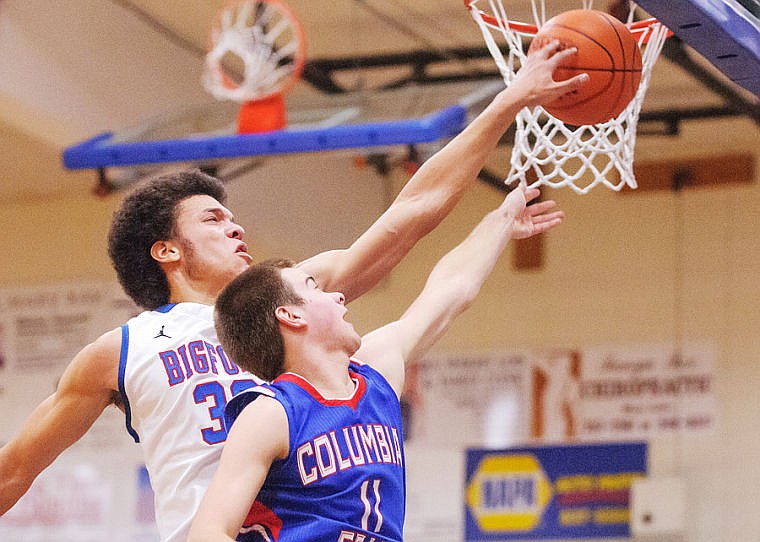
x: 161, y: 333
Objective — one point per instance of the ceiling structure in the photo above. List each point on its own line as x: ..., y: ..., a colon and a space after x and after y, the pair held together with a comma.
x: 75, y: 69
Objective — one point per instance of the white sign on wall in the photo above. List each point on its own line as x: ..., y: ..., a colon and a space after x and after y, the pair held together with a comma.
x: 561, y: 395
x: 636, y: 392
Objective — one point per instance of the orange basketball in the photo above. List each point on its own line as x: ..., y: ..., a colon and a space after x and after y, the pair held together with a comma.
x: 607, y: 52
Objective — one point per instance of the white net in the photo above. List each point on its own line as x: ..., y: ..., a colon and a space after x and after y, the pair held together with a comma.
x: 257, y: 49
x: 547, y: 149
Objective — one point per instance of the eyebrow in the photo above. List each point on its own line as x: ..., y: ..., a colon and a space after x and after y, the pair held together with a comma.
x: 218, y: 210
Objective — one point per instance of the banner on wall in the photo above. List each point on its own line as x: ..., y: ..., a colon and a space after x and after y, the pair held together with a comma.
x: 41, y: 330
x: 603, y: 393
x: 577, y: 491
x: 43, y: 327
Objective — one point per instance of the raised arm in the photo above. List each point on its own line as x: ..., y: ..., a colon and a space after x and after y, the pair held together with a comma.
x: 440, y: 183
x: 83, y: 392
x: 454, y: 283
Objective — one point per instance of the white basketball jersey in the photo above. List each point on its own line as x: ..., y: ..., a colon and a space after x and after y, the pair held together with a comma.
x: 175, y: 381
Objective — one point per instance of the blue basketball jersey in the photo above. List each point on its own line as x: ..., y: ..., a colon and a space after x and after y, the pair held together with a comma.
x: 343, y: 479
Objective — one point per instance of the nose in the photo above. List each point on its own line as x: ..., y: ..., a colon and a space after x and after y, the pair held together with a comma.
x: 340, y: 298
x: 236, y: 231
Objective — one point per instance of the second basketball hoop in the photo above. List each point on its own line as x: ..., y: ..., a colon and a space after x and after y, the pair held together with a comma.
x: 256, y: 53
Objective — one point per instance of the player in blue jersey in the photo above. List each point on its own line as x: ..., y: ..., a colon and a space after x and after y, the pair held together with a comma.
x: 317, y: 454
x: 174, y: 246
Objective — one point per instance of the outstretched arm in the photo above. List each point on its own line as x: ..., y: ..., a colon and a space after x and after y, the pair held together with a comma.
x: 454, y: 283
x: 440, y: 183
x: 83, y: 392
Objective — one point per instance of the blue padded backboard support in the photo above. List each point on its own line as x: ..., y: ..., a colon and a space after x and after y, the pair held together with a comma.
x: 102, y: 151
x: 723, y: 31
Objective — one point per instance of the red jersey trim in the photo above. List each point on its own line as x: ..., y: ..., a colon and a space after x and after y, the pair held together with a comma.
x: 353, y: 401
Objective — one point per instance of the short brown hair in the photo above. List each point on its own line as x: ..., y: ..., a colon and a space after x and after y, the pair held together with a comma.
x: 245, y: 318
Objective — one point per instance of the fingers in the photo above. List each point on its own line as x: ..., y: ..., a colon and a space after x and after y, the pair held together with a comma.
x: 574, y: 83
x: 556, y: 56
x: 530, y: 193
x: 556, y: 216
x: 547, y: 50
x: 539, y: 224
x: 543, y: 227
x: 539, y: 211
x: 554, y: 51
x: 541, y: 206
x: 561, y: 55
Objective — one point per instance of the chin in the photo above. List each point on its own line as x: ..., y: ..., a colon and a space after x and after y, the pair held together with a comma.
x: 244, y: 265
x: 357, y: 344
x: 352, y: 344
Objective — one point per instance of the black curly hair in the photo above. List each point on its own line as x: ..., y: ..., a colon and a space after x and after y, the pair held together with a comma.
x: 148, y: 214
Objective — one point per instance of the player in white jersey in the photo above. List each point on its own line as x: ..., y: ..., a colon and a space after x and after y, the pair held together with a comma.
x: 175, y: 381
x: 174, y: 242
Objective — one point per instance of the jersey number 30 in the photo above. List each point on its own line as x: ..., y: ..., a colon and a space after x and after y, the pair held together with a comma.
x: 214, y: 397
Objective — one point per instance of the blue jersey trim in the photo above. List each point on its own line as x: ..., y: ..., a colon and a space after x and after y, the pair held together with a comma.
x: 236, y: 405
x: 122, y: 390
x: 166, y: 308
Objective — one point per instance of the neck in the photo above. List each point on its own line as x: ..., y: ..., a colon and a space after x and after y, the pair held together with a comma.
x: 183, y: 290
x: 192, y: 297
x: 326, y: 370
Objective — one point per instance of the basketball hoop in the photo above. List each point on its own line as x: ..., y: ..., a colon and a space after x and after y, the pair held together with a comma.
x: 257, y: 53
x: 545, y: 148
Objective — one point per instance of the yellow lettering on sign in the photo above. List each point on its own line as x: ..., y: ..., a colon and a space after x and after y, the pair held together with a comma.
x: 574, y: 517
x: 606, y: 516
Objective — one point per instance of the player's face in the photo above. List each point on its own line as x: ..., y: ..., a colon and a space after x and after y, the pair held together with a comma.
x: 211, y: 243
x: 324, y: 311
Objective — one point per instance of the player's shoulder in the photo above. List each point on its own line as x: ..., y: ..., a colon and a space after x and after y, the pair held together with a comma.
x: 261, y: 428
x: 97, y: 364
x: 265, y: 398
x: 106, y: 348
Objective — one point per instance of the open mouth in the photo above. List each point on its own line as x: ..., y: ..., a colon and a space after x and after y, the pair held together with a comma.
x: 242, y: 250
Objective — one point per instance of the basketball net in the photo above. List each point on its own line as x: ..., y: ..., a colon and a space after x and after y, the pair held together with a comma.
x: 545, y: 148
x: 266, y: 40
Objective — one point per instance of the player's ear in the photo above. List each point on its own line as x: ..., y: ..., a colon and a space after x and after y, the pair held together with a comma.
x: 165, y: 251
x: 290, y: 316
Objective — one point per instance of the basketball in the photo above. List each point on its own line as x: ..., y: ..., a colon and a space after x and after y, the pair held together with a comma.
x: 607, y: 52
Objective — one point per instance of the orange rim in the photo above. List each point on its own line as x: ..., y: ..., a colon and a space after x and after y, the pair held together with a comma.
x: 636, y: 27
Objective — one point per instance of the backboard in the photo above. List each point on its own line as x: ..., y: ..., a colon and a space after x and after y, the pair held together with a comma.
x: 404, y: 116
x: 725, y: 32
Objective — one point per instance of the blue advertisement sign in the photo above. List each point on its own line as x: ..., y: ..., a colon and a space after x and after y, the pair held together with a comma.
x: 569, y: 491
